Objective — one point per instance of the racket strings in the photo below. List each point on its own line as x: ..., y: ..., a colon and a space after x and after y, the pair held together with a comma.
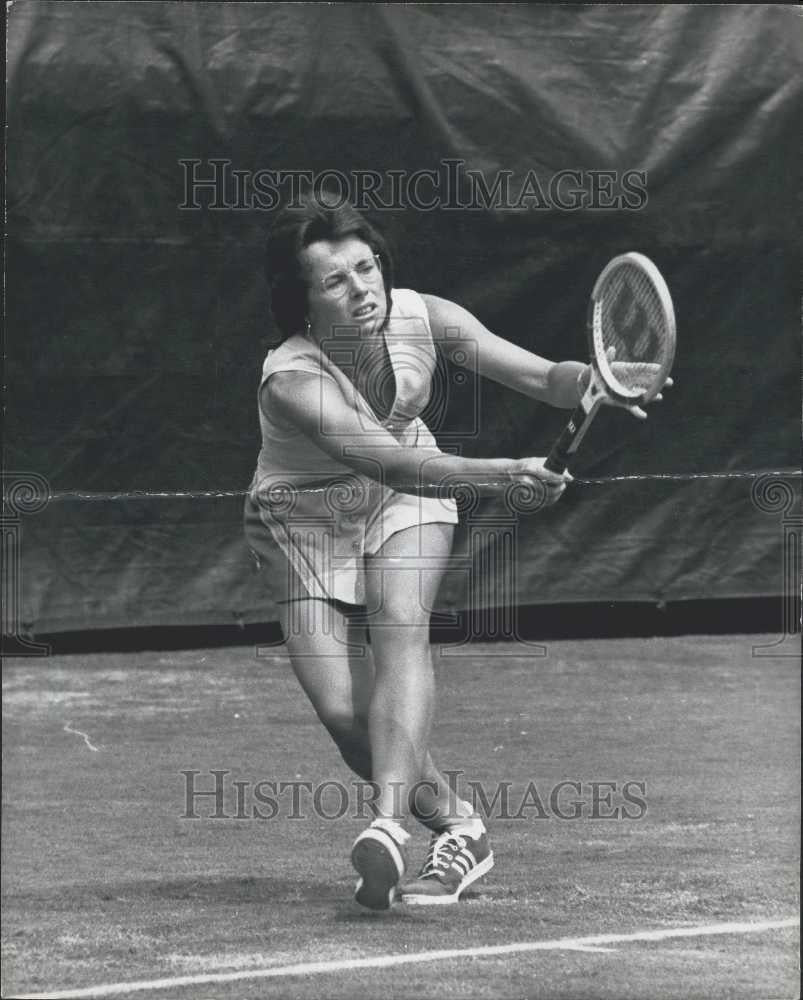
x: 632, y: 320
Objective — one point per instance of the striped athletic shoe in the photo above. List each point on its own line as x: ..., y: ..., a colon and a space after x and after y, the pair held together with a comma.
x: 378, y: 856
x: 455, y: 860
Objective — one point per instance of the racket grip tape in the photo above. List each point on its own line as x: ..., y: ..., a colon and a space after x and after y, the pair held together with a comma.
x: 558, y: 458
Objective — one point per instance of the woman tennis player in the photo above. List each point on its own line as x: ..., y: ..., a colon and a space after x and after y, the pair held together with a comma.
x: 346, y: 508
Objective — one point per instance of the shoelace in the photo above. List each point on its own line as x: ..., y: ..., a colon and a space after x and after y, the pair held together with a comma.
x: 442, y: 852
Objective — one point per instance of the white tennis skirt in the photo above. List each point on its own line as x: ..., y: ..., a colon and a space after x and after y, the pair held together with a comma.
x: 324, y: 530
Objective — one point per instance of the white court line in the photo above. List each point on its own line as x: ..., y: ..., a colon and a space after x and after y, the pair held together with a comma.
x: 77, y: 732
x: 387, y: 961
x: 590, y: 948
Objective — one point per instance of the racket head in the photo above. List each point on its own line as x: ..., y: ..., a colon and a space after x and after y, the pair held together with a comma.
x: 631, y: 311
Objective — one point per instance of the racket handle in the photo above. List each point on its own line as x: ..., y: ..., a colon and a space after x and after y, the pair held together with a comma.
x: 572, y: 434
x: 558, y: 458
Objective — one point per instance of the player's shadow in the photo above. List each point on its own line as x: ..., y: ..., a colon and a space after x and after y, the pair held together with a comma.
x: 335, y: 896
x: 351, y: 913
x: 209, y: 889
x: 255, y: 889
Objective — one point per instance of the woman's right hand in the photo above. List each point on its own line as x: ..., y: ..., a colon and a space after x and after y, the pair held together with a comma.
x: 531, y: 472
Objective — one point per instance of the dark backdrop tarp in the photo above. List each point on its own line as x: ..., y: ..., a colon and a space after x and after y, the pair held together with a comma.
x: 136, y: 327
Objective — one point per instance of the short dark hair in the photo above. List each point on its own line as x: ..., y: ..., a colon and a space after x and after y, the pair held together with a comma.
x: 297, y: 226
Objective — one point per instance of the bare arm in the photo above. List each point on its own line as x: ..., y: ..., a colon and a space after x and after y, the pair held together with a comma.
x: 556, y: 383
x: 352, y: 438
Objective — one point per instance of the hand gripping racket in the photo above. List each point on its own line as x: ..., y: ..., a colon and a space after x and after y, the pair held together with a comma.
x: 631, y: 335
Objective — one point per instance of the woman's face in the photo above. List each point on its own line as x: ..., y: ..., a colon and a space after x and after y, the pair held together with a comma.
x: 345, y: 287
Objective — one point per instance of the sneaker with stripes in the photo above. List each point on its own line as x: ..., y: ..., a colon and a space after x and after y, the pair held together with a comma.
x: 378, y: 856
x: 457, y: 857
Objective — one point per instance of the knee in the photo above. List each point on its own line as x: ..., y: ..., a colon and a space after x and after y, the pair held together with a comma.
x: 341, y: 722
x: 345, y: 728
x: 408, y: 622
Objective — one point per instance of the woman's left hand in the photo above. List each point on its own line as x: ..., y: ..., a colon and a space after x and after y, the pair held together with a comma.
x: 621, y: 370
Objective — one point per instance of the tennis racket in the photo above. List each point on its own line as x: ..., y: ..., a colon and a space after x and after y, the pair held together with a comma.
x: 631, y: 336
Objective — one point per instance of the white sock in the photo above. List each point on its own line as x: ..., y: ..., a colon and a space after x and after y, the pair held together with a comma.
x: 396, y: 830
x: 471, y: 826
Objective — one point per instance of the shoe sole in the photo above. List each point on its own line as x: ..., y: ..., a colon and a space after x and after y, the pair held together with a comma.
x: 447, y: 899
x: 379, y: 863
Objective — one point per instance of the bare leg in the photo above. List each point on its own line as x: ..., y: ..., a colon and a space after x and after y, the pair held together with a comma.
x: 402, y: 589
x: 335, y: 667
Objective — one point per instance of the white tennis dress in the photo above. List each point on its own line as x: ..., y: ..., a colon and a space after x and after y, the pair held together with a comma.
x: 321, y: 514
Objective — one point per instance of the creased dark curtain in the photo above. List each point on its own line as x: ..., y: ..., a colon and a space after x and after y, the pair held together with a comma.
x: 136, y: 323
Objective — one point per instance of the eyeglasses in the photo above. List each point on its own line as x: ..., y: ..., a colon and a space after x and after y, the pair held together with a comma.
x: 335, y: 285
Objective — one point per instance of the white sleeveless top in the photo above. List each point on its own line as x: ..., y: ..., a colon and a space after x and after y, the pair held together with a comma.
x: 287, y: 454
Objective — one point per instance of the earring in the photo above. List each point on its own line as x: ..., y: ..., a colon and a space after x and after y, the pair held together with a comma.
x: 307, y: 328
